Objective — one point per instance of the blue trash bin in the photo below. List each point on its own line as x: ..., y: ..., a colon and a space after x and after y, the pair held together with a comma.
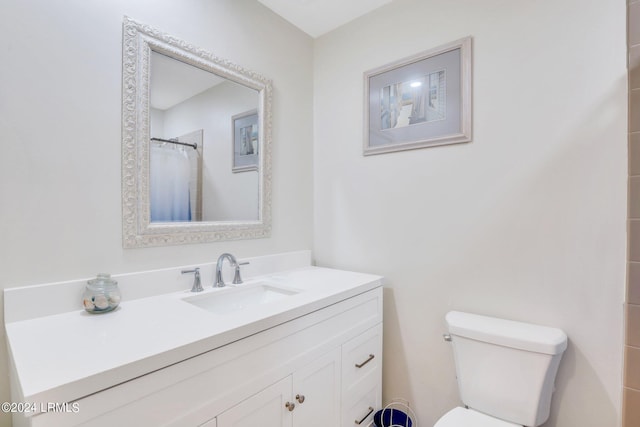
x: 391, y: 417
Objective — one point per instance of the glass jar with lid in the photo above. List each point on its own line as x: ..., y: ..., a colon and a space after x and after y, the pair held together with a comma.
x: 101, y: 294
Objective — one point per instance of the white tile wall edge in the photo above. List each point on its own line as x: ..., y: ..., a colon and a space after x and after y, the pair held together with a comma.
x: 30, y: 302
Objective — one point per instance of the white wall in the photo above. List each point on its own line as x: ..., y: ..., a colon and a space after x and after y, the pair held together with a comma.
x: 526, y: 222
x: 60, y: 114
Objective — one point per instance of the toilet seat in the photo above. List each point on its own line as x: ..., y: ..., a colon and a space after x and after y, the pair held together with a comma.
x: 461, y: 417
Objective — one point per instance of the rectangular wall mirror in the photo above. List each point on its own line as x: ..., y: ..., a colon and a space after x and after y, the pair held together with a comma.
x: 196, y: 144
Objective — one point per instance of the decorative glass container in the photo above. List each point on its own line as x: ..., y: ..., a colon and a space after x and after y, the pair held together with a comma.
x: 101, y: 294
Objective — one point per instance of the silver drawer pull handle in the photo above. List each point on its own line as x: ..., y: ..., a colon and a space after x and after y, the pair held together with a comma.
x: 290, y: 406
x: 371, y: 356
x: 365, y: 417
x: 300, y: 398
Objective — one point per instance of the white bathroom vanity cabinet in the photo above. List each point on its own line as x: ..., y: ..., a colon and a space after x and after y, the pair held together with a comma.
x: 312, y: 358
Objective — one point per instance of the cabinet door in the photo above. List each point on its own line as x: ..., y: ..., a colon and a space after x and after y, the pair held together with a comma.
x: 316, y: 392
x: 264, y: 409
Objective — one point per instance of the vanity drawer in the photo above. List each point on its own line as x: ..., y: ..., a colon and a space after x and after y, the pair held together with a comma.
x: 361, y: 357
x: 359, y: 407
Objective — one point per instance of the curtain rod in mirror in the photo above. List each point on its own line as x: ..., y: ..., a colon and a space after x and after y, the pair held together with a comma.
x: 194, y: 146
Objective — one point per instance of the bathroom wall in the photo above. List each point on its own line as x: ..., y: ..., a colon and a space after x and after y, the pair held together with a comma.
x: 60, y: 109
x: 631, y: 392
x: 526, y: 222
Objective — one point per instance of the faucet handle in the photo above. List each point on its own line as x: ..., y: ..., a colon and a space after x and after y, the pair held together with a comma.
x: 237, y: 280
x: 197, y: 285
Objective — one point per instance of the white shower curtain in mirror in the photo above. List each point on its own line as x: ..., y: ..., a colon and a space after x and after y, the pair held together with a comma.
x: 169, y: 184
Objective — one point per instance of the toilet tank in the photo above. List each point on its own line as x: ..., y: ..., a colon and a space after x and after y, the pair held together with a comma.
x: 506, y: 369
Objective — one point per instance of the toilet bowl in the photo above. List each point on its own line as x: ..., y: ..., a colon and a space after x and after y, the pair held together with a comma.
x: 505, y: 371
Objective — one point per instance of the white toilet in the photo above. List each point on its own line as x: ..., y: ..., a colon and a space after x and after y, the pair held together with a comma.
x: 505, y: 369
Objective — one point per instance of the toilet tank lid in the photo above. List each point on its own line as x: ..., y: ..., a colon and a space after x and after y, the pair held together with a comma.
x: 508, y: 333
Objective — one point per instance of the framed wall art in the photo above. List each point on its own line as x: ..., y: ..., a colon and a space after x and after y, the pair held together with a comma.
x: 420, y: 101
x: 245, y: 141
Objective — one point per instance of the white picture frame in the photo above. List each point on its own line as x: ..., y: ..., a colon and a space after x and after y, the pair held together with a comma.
x: 424, y: 100
x: 245, y: 131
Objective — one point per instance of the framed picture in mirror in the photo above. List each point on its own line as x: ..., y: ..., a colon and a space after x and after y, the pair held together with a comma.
x: 245, y: 141
x: 420, y: 101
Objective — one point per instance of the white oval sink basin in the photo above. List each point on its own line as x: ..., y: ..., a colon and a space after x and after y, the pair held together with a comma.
x: 234, y: 299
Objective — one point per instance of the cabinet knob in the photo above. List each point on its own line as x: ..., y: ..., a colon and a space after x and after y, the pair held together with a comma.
x: 290, y: 406
x: 300, y: 398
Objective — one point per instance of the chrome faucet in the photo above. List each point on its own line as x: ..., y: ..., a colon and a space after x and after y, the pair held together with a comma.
x: 219, y: 283
x: 197, y: 286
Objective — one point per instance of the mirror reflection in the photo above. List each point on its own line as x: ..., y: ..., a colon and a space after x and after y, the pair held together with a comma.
x: 204, y: 145
x: 196, y: 144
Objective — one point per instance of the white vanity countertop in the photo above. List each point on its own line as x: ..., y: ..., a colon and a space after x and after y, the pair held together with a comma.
x: 63, y: 357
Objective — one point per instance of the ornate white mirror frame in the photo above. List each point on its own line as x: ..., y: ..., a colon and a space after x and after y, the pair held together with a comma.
x: 138, y: 230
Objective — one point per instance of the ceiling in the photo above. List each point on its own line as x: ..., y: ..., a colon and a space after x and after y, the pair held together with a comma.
x: 317, y: 17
